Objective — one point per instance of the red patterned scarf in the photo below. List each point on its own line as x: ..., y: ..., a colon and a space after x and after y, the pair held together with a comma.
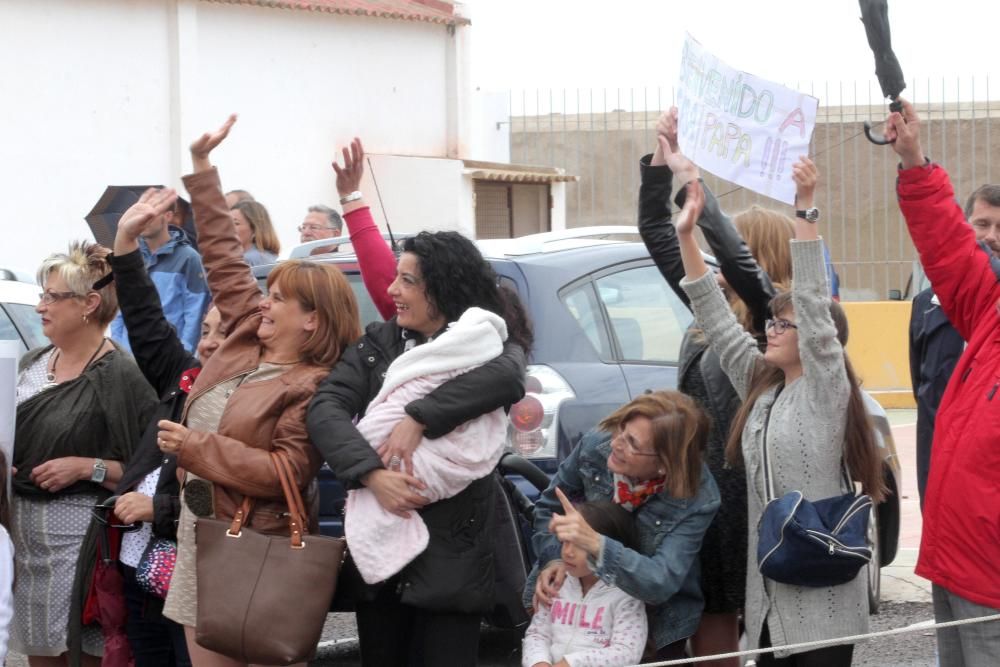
x: 631, y: 494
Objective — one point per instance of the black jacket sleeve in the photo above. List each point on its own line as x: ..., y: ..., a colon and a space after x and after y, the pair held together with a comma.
x: 917, y: 308
x: 344, y: 394
x: 157, y: 349
x: 655, y: 228
x: 166, y: 511
x: 496, y: 384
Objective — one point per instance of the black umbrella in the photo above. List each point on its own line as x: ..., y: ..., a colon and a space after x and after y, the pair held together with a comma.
x: 103, y: 218
x: 875, y: 16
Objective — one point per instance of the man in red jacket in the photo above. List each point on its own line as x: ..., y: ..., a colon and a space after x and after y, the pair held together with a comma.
x: 960, y: 546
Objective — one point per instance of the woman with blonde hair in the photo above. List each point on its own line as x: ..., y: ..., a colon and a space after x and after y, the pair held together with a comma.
x: 81, y: 406
x: 256, y: 233
x: 251, y: 395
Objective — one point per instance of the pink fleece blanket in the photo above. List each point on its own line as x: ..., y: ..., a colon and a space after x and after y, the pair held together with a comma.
x: 382, y: 543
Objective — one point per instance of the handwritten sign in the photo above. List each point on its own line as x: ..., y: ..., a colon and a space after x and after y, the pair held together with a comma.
x: 741, y: 127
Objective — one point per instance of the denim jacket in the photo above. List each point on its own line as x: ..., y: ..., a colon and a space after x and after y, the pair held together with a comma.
x: 664, y: 573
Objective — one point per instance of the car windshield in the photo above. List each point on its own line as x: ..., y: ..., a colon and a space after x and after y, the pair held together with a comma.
x: 27, y: 323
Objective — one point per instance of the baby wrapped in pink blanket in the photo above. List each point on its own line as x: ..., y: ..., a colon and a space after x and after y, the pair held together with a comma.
x: 382, y: 543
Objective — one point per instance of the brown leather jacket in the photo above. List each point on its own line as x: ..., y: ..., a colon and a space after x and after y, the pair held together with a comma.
x: 259, y: 416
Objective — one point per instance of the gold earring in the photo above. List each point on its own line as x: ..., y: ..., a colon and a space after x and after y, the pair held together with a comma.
x: 85, y: 320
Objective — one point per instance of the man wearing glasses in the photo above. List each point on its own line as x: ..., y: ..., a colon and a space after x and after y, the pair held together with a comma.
x: 321, y: 222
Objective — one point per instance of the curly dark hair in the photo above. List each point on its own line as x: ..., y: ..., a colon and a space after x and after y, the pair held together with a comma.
x: 456, y: 278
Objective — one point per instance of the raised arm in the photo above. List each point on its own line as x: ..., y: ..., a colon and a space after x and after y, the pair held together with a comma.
x: 655, y: 185
x: 737, y: 349
x: 821, y: 353
x: 965, y: 278
x: 155, y: 344
x: 741, y: 271
x: 375, y: 258
x: 234, y: 291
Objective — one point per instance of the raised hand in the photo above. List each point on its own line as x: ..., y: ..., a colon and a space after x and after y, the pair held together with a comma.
x: 573, y: 528
x: 151, y: 205
x: 349, y: 176
x: 669, y: 149
x: 806, y: 176
x: 203, y: 145
x: 694, y: 203
x: 903, y: 129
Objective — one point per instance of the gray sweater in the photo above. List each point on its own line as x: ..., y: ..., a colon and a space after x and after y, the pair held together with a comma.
x: 806, y: 441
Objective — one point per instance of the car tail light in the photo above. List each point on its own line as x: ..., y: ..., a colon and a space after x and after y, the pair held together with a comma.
x: 534, y: 420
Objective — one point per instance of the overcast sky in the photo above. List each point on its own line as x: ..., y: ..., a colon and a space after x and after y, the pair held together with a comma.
x: 624, y: 43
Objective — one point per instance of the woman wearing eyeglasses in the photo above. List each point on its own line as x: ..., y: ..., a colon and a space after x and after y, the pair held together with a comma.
x: 801, y: 400
x: 646, y: 457
x: 81, y: 406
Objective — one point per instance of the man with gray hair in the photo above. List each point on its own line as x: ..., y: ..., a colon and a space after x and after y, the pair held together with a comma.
x: 321, y: 222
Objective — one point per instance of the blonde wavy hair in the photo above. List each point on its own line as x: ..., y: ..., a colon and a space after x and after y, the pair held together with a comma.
x: 80, y: 268
x: 768, y: 235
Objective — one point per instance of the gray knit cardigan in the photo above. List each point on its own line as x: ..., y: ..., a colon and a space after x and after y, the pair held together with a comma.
x: 806, y: 440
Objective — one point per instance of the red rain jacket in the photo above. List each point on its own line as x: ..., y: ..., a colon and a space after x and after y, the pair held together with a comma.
x: 960, y: 546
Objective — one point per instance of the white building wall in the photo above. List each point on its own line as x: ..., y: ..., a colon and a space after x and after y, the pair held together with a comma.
x: 85, y: 103
x: 112, y: 92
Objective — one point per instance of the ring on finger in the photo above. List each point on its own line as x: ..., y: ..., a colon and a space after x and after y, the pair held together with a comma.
x: 394, y: 462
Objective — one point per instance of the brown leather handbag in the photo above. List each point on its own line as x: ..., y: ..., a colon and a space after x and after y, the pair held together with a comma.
x: 263, y: 599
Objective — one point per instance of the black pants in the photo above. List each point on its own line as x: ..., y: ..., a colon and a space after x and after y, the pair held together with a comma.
x: 156, y: 641
x: 393, y: 634
x: 828, y: 656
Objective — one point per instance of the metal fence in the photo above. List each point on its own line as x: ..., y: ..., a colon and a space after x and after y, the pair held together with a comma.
x: 599, y: 135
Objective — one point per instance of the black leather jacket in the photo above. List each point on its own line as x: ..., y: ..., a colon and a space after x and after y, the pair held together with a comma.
x: 738, y: 266
x: 162, y: 359
x: 455, y: 573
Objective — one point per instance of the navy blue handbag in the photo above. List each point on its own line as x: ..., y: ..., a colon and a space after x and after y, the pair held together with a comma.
x: 812, y: 543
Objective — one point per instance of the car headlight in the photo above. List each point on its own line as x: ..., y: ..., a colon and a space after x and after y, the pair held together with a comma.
x: 533, y: 421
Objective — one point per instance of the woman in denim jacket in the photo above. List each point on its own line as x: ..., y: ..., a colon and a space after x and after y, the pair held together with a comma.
x: 645, y: 456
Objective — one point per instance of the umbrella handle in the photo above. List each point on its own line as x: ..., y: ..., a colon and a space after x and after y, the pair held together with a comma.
x: 878, y: 138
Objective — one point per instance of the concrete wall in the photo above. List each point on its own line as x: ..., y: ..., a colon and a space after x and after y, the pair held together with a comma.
x: 860, y: 219
x: 879, y: 350
x: 113, y: 91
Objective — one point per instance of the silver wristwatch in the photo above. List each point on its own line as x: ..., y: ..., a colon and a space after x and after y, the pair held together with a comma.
x: 348, y: 198
x: 809, y: 214
x: 100, y: 471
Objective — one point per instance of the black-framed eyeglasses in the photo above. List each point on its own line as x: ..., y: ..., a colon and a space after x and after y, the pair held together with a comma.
x: 779, y: 325
x: 48, y: 297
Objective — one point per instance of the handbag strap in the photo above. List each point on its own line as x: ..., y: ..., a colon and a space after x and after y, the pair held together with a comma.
x: 293, y: 498
x: 768, y: 482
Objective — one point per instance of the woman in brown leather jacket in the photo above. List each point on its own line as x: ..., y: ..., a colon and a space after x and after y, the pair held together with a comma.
x: 250, y: 398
